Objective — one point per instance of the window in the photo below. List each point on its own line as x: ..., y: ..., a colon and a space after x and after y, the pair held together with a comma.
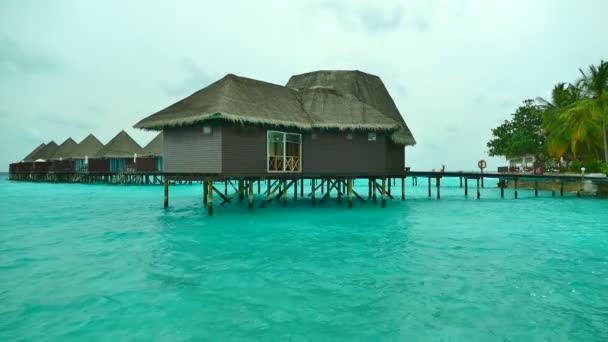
x: 371, y: 136
x: 284, y: 152
x: 207, y: 130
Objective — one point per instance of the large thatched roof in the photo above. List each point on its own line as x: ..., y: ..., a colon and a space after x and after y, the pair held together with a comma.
x: 65, y: 150
x: 88, y: 147
x: 154, y: 147
x: 31, y: 156
x: 365, y: 87
x: 322, y: 99
x: 237, y: 99
x: 47, y: 152
x: 121, y: 146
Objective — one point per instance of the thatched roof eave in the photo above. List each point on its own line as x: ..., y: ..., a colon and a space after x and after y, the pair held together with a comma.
x: 160, y: 124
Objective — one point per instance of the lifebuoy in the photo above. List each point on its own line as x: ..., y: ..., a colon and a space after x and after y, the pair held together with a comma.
x: 482, y: 164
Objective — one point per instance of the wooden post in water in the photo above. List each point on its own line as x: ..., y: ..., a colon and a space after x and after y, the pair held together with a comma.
x: 302, y: 187
x: 204, y: 193
x: 516, y: 180
x: 374, y: 190
x: 460, y: 182
x: 210, y: 197
x: 295, y: 190
x: 429, y: 186
x: 438, y: 183
x: 166, y: 186
x: 312, y: 185
x: 466, y: 187
x: 250, y: 194
x: 561, y: 188
x: 350, y: 193
x: 259, y: 186
x: 478, y: 193
x: 369, y: 188
x: 402, y: 188
x: 536, y: 188
x: 389, y: 186
x: 383, y: 192
x: 241, y: 190
x: 284, y: 192
x: 502, y: 188
x: 339, y: 189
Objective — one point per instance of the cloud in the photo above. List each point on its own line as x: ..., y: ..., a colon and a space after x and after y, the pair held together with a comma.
x: 375, y: 17
x: 15, y: 57
x: 195, y: 79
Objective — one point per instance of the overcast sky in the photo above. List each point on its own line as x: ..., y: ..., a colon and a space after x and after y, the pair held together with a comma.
x: 456, y: 69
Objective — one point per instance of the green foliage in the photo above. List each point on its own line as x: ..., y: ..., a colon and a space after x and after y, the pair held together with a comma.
x: 591, y: 166
x: 522, y: 135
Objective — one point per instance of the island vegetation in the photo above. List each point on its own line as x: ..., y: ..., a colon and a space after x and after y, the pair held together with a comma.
x: 567, y: 131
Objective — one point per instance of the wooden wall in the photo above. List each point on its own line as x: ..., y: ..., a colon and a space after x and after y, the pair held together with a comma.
x: 187, y: 149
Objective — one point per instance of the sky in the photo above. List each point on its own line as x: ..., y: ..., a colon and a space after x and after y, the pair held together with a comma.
x: 455, y: 69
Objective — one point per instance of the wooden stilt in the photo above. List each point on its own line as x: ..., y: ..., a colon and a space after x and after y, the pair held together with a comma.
x: 369, y: 188
x: 460, y: 182
x: 241, y: 195
x: 284, y: 192
x: 295, y: 190
x: 259, y: 186
x: 389, y: 186
x: 339, y: 189
x: 374, y: 191
x: 350, y: 193
x: 561, y: 188
x: 502, y: 188
x: 536, y: 188
x: 466, y: 187
x: 302, y: 187
x: 429, y: 186
x: 478, y: 193
x: 166, y: 186
x: 383, y: 192
x: 250, y: 194
x: 438, y: 187
x: 204, y: 193
x: 312, y: 185
x: 482, y: 184
x: 225, y: 187
x: 402, y: 188
x: 210, y: 197
x: 516, y: 181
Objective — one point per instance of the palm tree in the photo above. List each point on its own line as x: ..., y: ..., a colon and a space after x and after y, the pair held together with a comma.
x: 559, y: 134
x: 595, y: 85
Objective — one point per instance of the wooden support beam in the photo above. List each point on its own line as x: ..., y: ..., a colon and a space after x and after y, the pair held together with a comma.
x: 369, y: 188
x: 166, y: 188
x: 225, y: 198
x: 466, y: 187
x: 339, y: 189
x: 270, y: 194
x: 225, y: 187
x: 312, y: 191
x: 379, y: 188
x: 241, y: 190
x: 402, y: 188
x: 389, y: 186
x: 561, y: 188
x: 536, y: 188
x: 284, y: 194
x: 501, y: 183
x: 429, y: 186
x: 259, y: 186
x: 295, y: 190
x: 302, y: 187
x: 460, y: 182
x: 516, y: 181
x: 478, y: 193
x: 438, y: 182
x: 210, y: 197
x: 375, y: 186
x: 204, y: 193
x: 350, y: 193
x: 250, y: 194
x: 383, y: 192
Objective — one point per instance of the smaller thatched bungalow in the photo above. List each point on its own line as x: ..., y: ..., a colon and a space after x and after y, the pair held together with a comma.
x: 118, y: 155
x: 41, y: 160
x: 87, y: 148
x: 151, y: 159
x: 31, y: 156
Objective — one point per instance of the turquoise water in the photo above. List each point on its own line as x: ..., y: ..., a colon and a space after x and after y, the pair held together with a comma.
x: 100, y: 262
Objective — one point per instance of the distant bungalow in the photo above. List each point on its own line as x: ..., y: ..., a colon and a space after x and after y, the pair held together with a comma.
x: 117, y: 155
x: 321, y: 124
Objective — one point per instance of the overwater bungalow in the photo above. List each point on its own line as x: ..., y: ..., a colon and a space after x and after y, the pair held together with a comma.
x: 31, y: 156
x: 88, y: 147
x: 41, y: 161
x: 151, y: 159
x: 117, y: 156
x: 321, y: 124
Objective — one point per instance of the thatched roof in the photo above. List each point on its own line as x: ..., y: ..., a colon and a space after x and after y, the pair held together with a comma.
x: 31, y: 157
x: 365, y: 87
x: 88, y: 147
x: 330, y: 109
x: 322, y: 99
x: 236, y: 99
x: 121, y: 146
x: 47, y: 152
x: 154, y: 147
x: 65, y: 150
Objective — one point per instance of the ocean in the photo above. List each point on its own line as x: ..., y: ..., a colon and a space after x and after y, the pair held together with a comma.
x: 100, y: 262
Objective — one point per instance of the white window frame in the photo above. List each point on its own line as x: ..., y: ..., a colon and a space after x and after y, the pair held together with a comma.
x: 284, y: 151
x: 372, y: 134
